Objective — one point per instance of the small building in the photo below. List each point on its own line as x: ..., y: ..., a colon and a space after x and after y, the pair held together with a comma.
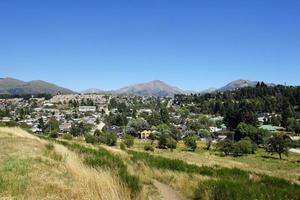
x: 87, y: 108
x: 145, y: 134
x: 6, y: 119
x: 214, y: 129
x: 116, y: 130
x: 268, y: 127
x: 65, y: 127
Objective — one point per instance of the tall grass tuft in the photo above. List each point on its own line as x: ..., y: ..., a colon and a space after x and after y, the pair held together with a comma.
x: 105, y: 159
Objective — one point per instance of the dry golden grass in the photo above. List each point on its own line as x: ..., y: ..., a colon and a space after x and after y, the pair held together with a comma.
x: 179, y: 181
x: 27, y: 172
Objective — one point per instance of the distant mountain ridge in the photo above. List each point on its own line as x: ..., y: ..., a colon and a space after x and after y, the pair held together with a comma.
x: 15, y: 86
x: 240, y: 83
x: 153, y: 88
x: 161, y: 89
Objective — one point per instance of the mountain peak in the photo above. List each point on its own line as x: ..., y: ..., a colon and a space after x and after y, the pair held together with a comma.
x: 152, y: 88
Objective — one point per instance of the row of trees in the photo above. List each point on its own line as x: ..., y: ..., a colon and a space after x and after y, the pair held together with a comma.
x: 242, y: 105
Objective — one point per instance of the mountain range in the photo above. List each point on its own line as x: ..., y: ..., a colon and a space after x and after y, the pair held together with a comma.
x: 152, y: 88
x: 14, y: 86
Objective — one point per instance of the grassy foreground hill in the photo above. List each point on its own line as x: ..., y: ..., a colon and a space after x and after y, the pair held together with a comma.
x: 32, y: 168
x: 37, y: 168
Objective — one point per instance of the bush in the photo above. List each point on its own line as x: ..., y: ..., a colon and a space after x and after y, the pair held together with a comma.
x: 162, y: 141
x: 90, y: 139
x: 128, y: 140
x: 107, y: 138
x: 122, y: 146
x: 190, y: 142
x: 226, y: 146
x: 171, y: 143
x: 148, y: 147
x: 53, y: 135
x: 111, y: 139
x: 244, y: 146
x: 67, y: 136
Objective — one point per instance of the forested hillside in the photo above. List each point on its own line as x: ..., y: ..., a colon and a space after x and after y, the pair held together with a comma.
x: 246, y: 103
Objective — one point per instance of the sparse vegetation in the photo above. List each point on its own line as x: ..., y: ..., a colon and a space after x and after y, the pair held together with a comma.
x: 103, y: 158
x: 128, y: 140
x: 67, y: 136
x: 148, y: 147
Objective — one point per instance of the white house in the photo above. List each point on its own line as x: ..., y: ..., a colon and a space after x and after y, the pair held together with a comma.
x: 214, y: 129
x: 87, y: 108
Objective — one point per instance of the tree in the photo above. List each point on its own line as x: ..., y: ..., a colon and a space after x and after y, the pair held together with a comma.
x: 163, y: 141
x: 244, y: 146
x: 107, y: 138
x: 52, y: 126
x: 128, y: 140
x: 190, y: 142
x: 78, y: 129
x: 255, y: 134
x: 153, y: 136
x: 279, y: 143
x: 164, y: 115
x: 183, y: 112
x: 90, y: 139
x: 226, y: 146
x: 135, y: 126
x: 41, y: 124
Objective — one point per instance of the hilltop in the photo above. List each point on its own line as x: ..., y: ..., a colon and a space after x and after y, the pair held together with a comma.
x: 15, y: 86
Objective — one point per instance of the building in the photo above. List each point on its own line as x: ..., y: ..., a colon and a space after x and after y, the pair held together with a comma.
x: 214, y: 129
x: 268, y: 128
x: 145, y: 134
x: 87, y: 108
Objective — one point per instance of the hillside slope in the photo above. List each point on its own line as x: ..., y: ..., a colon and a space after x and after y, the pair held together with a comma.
x: 14, y: 86
x: 30, y: 168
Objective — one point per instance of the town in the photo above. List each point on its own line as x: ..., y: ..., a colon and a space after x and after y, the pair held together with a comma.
x: 144, y: 117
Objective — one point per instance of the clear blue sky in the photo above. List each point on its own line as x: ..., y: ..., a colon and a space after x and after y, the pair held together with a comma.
x: 113, y: 43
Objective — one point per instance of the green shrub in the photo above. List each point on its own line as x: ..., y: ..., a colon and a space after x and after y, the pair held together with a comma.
x: 128, y: 140
x: 122, y: 146
x: 148, y: 147
x: 53, y: 134
x: 230, y: 147
x: 190, y: 142
x: 111, y: 139
x: 244, y: 146
x: 171, y: 143
x: 162, y: 141
x: 107, y: 138
x: 90, y: 139
x: 67, y: 136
